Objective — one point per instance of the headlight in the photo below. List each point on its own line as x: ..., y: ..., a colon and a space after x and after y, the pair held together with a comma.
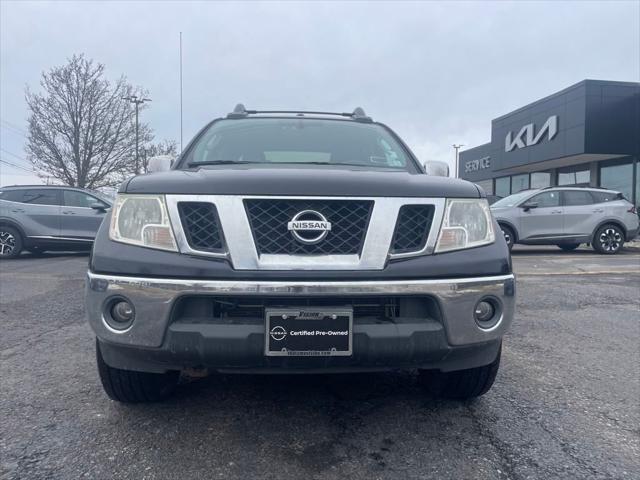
x: 142, y: 220
x: 466, y: 224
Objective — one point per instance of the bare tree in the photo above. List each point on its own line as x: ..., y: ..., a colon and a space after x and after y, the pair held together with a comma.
x: 164, y: 147
x: 81, y: 130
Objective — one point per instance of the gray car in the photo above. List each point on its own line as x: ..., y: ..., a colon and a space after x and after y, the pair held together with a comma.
x: 38, y: 218
x: 567, y: 217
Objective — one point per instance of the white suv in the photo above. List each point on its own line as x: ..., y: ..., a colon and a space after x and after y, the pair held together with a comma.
x: 567, y: 217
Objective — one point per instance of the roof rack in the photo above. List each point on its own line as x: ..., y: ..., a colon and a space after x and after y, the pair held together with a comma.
x: 358, y: 113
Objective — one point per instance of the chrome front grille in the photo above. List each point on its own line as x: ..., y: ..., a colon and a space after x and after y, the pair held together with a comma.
x: 252, y: 231
x: 269, y: 218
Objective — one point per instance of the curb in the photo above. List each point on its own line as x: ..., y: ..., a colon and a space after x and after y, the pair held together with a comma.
x: 633, y: 246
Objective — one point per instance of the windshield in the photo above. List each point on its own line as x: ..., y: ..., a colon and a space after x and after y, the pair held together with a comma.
x: 298, y: 141
x: 513, y: 200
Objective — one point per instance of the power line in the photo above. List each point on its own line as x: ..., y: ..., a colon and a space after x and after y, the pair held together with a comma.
x: 14, y: 128
x: 17, y: 166
x: 13, y: 155
x: 25, y: 168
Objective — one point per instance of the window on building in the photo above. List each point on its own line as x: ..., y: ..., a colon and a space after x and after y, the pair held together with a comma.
x: 619, y: 177
x: 540, y: 179
x: 519, y: 183
x: 546, y: 199
x: 574, y: 176
x: 487, y: 186
x: 573, y: 198
x: 503, y: 186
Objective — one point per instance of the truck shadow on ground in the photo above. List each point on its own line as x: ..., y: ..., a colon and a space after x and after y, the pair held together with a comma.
x: 310, y: 422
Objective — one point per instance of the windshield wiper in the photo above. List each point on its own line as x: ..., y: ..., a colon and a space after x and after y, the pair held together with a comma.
x: 218, y: 162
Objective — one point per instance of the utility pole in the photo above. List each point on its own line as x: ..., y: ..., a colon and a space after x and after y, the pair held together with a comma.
x: 456, y: 147
x: 137, y: 102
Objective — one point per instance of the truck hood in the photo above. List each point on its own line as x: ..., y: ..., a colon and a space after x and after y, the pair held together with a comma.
x: 298, y: 181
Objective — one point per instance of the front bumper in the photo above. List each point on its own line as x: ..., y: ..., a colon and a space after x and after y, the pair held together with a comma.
x: 154, y: 343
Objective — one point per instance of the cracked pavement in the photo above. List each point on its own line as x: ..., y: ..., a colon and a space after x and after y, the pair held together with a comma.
x: 565, y: 403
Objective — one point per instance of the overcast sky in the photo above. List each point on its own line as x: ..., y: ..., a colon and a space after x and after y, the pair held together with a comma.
x: 436, y: 72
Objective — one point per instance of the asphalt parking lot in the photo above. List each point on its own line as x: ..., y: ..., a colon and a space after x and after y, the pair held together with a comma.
x: 565, y: 404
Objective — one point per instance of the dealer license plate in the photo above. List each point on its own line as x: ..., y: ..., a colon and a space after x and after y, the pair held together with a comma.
x: 309, y: 332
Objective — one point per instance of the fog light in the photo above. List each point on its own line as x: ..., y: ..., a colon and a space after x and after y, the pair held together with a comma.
x: 487, y: 312
x: 122, y: 311
x: 118, y: 314
x: 484, y: 311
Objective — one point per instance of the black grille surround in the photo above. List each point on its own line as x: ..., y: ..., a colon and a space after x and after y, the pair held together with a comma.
x: 412, y: 228
x: 201, y: 226
x: 269, y: 218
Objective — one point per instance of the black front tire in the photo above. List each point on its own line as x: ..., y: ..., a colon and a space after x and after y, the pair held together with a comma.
x: 509, y: 236
x: 569, y: 247
x: 461, y: 384
x: 127, y: 386
x: 11, y: 242
x: 608, y: 239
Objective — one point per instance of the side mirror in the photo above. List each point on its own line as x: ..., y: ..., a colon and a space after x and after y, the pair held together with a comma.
x: 99, y: 206
x: 436, y: 168
x: 529, y: 205
x: 161, y: 163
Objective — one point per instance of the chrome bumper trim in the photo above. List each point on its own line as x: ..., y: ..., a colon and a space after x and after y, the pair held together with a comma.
x: 154, y: 298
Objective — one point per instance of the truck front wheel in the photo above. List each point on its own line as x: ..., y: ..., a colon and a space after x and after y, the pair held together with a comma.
x: 127, y: 386
x: 461, y: 384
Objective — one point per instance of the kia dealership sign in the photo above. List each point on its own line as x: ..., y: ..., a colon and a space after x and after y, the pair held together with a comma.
x: 527, y: 135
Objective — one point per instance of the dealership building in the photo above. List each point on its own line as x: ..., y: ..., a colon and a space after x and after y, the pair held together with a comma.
x: 587, y: 134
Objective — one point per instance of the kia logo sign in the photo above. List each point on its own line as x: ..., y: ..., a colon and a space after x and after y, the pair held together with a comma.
x: 527, y: 135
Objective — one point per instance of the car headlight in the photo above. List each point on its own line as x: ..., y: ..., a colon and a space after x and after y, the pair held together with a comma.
x: 467, y: 223
x: 142, y: 220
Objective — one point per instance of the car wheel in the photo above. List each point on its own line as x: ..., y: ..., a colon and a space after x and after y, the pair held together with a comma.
x: 461, y: 384
x: 568, y: 247
x: 10, y: 242
x: 509, y: 236
x: 608, y: 239
x: 127, y: 386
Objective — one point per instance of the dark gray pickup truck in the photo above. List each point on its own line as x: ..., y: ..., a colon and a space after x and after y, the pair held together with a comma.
x: 298, y: 242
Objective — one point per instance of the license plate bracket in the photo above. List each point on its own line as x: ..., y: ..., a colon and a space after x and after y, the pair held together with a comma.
x: 308, y: 332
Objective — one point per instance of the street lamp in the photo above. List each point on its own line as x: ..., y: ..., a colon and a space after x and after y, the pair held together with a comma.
x: 456, y: 147
x: 137, y: 102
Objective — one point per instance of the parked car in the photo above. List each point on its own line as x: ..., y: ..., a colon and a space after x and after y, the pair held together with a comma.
x: 298, y: 242
x: 493, y: 199
x: 567, y: 217
x: 38, y: 218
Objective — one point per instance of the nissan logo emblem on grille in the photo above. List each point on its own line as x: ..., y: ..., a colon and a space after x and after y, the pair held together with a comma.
x: 309, y: 227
